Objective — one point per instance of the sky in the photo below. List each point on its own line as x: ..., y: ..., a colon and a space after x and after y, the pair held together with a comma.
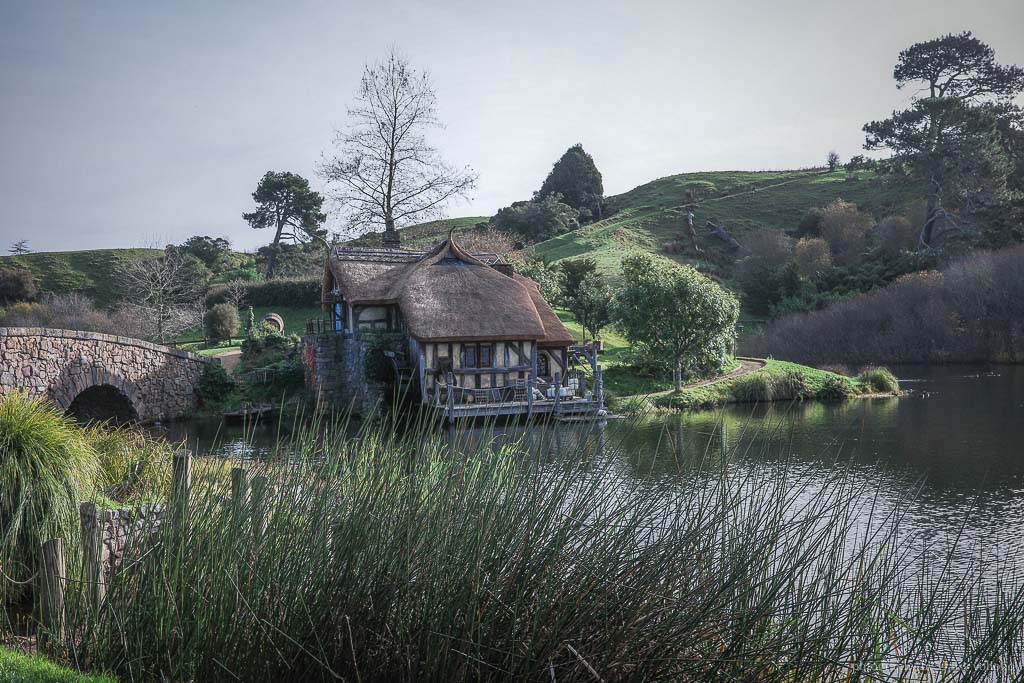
x: 142, y: 123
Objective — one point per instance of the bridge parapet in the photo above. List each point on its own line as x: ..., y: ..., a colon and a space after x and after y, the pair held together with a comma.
x: 158, y: 382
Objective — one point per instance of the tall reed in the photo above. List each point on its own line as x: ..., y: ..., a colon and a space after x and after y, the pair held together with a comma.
x: 402, y: 554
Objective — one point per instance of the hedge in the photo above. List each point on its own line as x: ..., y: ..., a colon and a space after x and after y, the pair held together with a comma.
x: 283, y: 292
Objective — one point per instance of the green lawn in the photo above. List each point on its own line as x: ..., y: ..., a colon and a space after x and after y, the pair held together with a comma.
x: 19, y: 668
x: 294, y: 323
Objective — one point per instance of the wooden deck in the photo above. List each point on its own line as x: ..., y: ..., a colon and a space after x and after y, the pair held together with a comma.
x: 461, y: 411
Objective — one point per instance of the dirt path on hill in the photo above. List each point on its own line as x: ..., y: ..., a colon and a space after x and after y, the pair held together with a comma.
x: 746, y: 367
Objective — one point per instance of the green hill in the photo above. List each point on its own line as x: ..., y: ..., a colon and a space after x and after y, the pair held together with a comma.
x: 88, y: 272
x: 653, y: 215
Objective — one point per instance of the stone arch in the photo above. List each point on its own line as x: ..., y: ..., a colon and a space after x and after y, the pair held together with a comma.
x: 102, y: 403
x: 80, y: 379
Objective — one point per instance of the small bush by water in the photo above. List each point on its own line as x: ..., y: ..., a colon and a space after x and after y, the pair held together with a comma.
x: 880, y: 380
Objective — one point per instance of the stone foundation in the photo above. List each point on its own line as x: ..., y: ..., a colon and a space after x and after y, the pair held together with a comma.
x: 335, y: 367
x: 118, y: 531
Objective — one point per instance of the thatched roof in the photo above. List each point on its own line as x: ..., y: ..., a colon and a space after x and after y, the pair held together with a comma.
x: 447, y: 294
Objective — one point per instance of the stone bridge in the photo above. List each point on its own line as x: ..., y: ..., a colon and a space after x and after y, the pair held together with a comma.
x: 99, y: 376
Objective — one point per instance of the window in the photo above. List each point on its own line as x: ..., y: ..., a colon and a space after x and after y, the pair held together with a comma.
x: 543, y: 365
x: 477, y: 356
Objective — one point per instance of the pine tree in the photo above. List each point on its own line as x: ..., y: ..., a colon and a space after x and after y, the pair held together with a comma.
x: 575, y: 177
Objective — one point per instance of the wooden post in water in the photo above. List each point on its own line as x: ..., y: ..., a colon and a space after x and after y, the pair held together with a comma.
x: 92, y: 554
x: 51, y: 593
x: 598, y: 387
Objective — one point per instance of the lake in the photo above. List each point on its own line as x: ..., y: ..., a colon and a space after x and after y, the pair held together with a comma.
x: 950, y: 453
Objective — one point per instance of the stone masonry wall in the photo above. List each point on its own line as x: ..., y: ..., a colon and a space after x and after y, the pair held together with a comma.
x: 336, y: 373
x: 120, y: 530
x: 60, y: 364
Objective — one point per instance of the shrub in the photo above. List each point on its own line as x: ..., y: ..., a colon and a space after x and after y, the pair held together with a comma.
x: 810, y: 223
x: 834, y: 388
x: 762, y: 273
x: 790, y: 385
x: 215, y: 385
x: 17, y: 284
x: 812, y: 256
x: 918, y: 318
x: 755, y: 387
x: 845, y: 229
x: 895, y: 234
x: 221, y: 321
x: 46, y: 469
x: 880, y: 380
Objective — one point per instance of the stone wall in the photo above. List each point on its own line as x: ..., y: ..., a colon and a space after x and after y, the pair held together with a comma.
x: 60, y: 364
x: 335, y: 368
x: 119, y: 530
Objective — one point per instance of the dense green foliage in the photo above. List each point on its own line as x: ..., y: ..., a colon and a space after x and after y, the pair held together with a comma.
x: 537, y: 220
x: 573, y: 272
x: 591, y: 304
x: 675, y: 314
x: 286, y: 204
x: 46, y: 469
x: 575, y: 179
x: 20, y: 668
x: 215, y: 386
x: 960, y: 138
x: 213, y: 252
x: 221, y: 321
x: 279, y: 292
x: 880, y: 380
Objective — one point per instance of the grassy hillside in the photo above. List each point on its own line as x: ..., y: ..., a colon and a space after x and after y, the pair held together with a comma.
x: 424, y: 234
x: 652, y: 215
x: 88, y: 272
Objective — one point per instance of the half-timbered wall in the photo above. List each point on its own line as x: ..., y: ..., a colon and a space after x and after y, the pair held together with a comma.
x: 511, y: 361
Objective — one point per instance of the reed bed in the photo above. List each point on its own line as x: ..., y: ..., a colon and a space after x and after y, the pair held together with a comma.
x: 408, y: 554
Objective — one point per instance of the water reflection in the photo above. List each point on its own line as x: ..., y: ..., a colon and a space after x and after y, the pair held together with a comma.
x: 954, y: 444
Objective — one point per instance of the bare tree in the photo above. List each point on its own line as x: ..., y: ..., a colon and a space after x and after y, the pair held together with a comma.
x: 166, y: 289
x: 20, y: 247
x: 235, y: 292
x: 385, y: 172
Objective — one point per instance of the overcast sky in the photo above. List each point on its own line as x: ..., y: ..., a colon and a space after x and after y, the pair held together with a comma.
x: 139, y: 123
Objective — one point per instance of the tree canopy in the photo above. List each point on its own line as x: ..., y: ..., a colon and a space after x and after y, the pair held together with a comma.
x: 285, y: 202
x: 962, y: 138
x: 674, y: 314
x: 575, y: 177
x: 591, y: 303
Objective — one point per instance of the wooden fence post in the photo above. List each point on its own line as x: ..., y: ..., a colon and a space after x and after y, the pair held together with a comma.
x: 92, y: 554
x: 181, y: 478
x: 51, y: 594
x: 558, y: 391
x: 598, y: 387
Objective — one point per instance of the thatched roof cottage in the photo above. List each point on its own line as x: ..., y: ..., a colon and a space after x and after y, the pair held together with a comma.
x: 461, y: 331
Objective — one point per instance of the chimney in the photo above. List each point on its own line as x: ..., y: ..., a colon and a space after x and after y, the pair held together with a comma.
x: 391, y: 239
